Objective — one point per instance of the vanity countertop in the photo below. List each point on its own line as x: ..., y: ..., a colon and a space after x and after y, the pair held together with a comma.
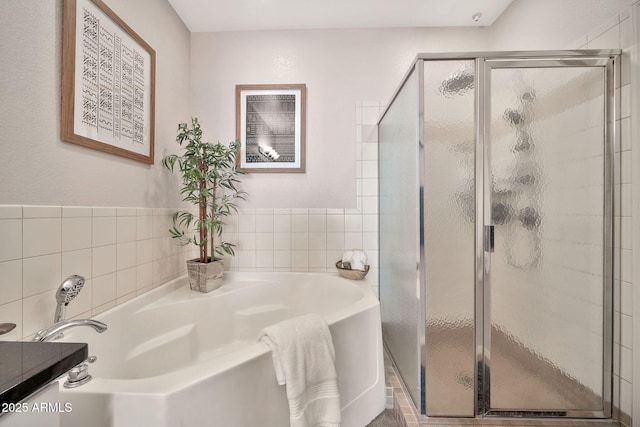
x: 27, y: 366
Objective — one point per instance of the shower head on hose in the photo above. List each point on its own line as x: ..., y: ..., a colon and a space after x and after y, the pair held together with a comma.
x: 68, y: 290
x: 458, y: 83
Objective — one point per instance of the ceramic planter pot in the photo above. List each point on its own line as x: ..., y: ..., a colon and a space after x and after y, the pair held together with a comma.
x: 205, y: 277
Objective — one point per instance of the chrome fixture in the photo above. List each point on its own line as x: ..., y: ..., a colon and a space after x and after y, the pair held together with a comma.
x: 80, y: 374
x: 476, y: 16
x: 47, y: 334
x: 496, y: 219
x: 68, y: 290
x: 458, y: 83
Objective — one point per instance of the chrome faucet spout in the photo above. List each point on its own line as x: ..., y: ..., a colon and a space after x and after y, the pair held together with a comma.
x: 52, y: 331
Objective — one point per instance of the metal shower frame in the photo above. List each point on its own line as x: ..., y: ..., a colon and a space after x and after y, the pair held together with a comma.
x: 484, y: 62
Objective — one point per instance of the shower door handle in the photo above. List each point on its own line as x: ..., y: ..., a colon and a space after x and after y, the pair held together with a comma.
x: 489, y: 240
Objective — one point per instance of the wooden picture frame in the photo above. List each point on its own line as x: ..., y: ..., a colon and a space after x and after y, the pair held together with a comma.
x: 270, y: 126
x: 108, y: 83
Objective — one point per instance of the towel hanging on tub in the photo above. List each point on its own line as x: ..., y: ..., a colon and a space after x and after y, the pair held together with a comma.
x: 304, y: 361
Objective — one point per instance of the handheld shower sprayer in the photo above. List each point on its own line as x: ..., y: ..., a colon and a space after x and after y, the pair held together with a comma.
x: 68, y: 290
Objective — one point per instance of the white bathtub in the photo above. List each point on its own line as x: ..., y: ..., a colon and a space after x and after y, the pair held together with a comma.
x: 173, y: 357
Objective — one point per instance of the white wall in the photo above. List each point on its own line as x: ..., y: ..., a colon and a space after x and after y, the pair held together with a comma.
x: 121, y: 252
x: 36, y: 167
x: 550, y: 24
x: 339, y: 67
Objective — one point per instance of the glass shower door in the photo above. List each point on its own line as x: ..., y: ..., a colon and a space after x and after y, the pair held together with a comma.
x: 548, y: 231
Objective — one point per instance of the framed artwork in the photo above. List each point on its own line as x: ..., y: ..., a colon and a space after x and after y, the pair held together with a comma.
x: 108, y: 82
x: 270, y: 125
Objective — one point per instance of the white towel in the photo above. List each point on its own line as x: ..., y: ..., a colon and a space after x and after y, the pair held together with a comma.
x: 357, y: 259
x: 303, y: 359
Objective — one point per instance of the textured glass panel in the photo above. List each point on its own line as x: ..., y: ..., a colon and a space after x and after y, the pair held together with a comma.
x: 449, y: 209
x: 547, y: 204
x: 399, y: 234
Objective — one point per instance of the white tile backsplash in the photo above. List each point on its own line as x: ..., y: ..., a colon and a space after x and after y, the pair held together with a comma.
x: 41, y: 236
x: 264, y: 241
x: 76, y: 233
x: 264, y: 259
x: 76, y: 211
x: 143, y: 251
x: 104, y: 289
x: 10, y: 212
x: 11, y: 282
x: 126, y: 281
x: 104, y: 211
x: 353, y: 223
x: 41, y: 274
x: 37, y: 312
x: 126, y: 255
x: 41, y: 211
x: 317, y: 241
x: 143, y: 276
x: 103, y: 260
x: 335, y: 241
x: 104, y: 231
x: 77, y: 262
x: 282, y: 223
x: 299, y: 260
x: 247, y: 223
x: 246, y: 241
x: 282, y: 259
x: 246, y: 259
x: 264, y: 222
x: 335, y: 223
x: 144, y: 227
x: 282, y: 241
x: 299, y: 241
x: 317, y: 222
x: 126, y: 228
x: 318, y: 259
x: 300, y: 223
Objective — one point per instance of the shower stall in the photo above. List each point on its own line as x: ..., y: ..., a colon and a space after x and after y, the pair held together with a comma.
x: 496, y: 233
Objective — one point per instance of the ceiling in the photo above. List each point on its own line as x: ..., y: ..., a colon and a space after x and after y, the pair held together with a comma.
x: 248, y: 15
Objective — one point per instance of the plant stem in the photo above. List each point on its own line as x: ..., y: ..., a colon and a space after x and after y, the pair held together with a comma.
x: 213, y: 218
x: 203, y: 213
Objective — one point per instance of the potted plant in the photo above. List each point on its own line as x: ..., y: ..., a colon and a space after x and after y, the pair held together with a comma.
x: 209, y: 178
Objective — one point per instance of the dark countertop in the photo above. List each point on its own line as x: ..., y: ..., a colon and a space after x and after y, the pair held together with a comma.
x: 27, y: 366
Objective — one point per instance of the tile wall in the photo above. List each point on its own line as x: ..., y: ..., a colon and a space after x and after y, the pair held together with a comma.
x: 314, y: 239
x: 123, y: 252
x: 617, y: 32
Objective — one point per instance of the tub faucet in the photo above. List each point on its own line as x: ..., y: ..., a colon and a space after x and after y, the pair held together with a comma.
x: 68, y: 290
x: 52, y: 331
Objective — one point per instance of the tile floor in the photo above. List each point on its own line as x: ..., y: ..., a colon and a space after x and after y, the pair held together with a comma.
x: 386, y: 419
x: 404, y: 414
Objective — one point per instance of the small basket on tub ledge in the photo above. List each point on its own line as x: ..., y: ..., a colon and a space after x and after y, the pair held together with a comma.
x: 351, y: 274
x: 353, y: 265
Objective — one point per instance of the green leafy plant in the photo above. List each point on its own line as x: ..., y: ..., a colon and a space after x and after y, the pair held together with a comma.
x: 209, y: 178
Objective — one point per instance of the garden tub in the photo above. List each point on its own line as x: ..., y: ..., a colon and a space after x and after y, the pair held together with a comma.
x: 174, y: 357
